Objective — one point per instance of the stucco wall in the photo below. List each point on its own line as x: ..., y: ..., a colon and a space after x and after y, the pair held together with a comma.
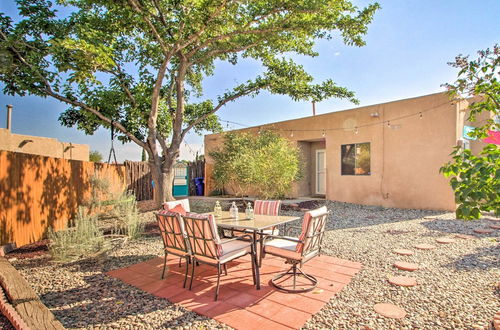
x: 42, y: 146
x: 406, y: 151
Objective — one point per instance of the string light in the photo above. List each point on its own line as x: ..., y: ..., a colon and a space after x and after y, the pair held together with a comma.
x: 323, y: 130
x: 356, y: 130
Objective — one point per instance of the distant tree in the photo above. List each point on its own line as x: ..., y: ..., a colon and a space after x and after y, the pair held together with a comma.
x: 266, y: 163
x: 138, y: 65
x: 476, y: 178
x: 95, y: 156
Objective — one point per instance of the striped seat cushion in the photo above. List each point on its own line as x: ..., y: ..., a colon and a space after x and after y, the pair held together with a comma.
x: 267, y: 207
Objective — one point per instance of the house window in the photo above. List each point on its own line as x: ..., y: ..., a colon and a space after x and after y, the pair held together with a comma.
x: 355, y: 159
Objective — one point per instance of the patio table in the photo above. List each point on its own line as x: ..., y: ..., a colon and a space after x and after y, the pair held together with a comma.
x: 255, y: 225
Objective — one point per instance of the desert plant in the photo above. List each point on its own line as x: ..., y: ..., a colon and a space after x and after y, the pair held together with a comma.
x: 266, y: 163
x: 127, y: 217
x: 82, y: 240
x: 99, y: 192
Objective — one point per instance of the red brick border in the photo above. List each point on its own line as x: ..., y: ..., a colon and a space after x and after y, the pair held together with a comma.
x: 10, y: 313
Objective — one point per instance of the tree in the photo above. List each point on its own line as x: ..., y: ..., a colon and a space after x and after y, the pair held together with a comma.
x: 266, y: 163
x: 95, y: 156
x: 138, y: 65
x: 476, y: 178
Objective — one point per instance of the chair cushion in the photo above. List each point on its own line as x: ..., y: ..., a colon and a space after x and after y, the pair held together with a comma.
x: 210, y: 229
x: 179, y: 209
x: 282, y: 248
x: 230, y: 250
x: 184, y: 202
x: 267, y: 207
x: 282, y: 243
x: 305, y: 225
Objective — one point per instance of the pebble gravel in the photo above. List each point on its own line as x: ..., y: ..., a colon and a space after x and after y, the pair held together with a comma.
x: 456, y: 282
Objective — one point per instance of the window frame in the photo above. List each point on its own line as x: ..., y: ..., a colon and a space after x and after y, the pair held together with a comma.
x: 355, y: 159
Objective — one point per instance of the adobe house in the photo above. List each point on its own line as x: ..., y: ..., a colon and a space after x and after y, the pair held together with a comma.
x: 38, y: 145
x: 386, y: 154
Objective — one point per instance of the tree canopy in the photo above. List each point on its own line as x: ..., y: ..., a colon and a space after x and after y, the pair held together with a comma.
x: 139, y: 65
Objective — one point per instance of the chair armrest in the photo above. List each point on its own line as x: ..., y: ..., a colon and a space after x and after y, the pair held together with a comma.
x: 292, y: 239
x: 292, y: 227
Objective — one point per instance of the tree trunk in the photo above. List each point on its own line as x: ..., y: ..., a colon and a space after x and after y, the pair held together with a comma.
x: 163, y: 177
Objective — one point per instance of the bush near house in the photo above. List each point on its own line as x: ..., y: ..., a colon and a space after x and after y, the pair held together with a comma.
x: 476, y: 178
x: 266, y: 164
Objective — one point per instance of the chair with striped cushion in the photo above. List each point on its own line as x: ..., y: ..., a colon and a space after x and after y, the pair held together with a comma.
x: 174, y: 238
x: 208, y: 248
x: 298, y: 251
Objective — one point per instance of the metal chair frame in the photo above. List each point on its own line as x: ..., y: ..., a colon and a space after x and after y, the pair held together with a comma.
x: 206, y: 247
x: 311, y: 250
x: 173, y: 240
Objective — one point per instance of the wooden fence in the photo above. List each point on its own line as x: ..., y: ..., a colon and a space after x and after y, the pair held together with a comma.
x: 37, y: 193
x: 196, y: 169
x: 139, y: 180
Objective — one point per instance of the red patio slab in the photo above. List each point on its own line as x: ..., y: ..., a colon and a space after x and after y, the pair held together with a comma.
x: 240, y: 305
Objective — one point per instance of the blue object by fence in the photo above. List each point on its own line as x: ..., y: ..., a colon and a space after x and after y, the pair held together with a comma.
x: 200, y: 184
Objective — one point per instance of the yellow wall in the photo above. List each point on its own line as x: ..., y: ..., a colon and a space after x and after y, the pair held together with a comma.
x: 42, y: 146
x: 405, y: 155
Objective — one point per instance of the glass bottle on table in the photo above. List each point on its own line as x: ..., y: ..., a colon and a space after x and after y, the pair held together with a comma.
x: 249, y: 211
x: 233, y: 211
x: 217, y: 210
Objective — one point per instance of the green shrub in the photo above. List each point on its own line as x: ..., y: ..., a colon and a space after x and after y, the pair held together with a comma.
x: 266, y: 163
x: 127, y: 221
x: 475, y: 179
x: 82, y: 240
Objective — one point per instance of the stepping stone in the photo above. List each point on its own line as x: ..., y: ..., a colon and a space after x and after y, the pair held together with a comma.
x: 483, y: 231
x: 445, y: 240
x: 403, y: 252
x: 390, y: 310
x: 403, y: 281
x: 408, y: 266
x: 464, y: 236
x: 495, y: 226
x: 425, y: 246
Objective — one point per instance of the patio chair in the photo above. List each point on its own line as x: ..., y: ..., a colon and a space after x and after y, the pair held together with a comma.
x: 174, y: 239
x: 207, y: 248
x: 298, y: 251
x: 172, y: 204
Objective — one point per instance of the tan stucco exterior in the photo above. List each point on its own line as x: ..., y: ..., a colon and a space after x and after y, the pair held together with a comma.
x: 409, y: 141
x: 43, y: 146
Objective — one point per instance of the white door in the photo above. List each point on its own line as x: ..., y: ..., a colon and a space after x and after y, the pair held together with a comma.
x: 320, y: 172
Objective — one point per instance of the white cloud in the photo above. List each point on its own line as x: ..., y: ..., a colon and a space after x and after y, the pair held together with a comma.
x: 336, y: 53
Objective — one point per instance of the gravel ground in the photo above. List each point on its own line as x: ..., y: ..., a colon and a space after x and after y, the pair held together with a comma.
x: 456, y: 287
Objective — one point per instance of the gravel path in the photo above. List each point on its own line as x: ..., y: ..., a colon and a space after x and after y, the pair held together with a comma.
x: 456, y: 287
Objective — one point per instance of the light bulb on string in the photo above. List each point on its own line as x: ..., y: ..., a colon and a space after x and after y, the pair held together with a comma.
x: 291, y: 134
x: 323, y: 134
x: 356, y: 130
x: 420, y: 115
x: 388, y: 123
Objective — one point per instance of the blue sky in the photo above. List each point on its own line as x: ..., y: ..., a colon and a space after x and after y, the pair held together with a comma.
x: 408, y: 46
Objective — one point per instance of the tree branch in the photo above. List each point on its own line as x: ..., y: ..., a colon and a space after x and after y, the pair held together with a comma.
x: 49, y: 91
x: 220, y: 105
x: 137, y: 8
